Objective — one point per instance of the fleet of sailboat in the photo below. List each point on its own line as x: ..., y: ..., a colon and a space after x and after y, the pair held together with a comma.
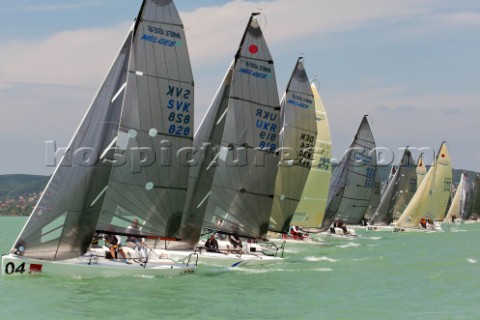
x: 260, y: 165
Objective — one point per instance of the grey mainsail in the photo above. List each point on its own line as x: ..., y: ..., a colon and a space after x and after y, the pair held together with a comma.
x: 206, y: 144
x: 240, y: 200
x: 110, y: 172
x: 399, y: 192
x: 297, y: 140
x: 156, y: 129
x: 353, y: 180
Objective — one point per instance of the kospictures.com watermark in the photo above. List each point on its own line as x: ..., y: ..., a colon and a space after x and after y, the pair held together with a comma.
x: 164, y: 154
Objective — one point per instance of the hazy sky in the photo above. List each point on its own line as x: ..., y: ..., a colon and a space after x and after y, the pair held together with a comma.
x: 412, y: 65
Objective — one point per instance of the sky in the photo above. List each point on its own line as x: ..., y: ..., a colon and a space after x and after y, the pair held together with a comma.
x: 411, y: 65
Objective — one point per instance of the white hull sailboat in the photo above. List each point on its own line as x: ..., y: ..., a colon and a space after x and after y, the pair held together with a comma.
x: 455, y: 214
x: 229, y: 193
x: 103, y: 182
x: 351, y: 186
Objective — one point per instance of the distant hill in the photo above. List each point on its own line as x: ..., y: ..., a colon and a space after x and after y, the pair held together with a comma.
x: 16, y: 185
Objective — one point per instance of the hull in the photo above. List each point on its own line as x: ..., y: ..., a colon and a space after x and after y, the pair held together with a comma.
x: 220, y: 259
x: 337, y: 235
x: 88, y: 267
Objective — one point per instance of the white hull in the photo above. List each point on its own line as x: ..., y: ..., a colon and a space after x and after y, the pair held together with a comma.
x: 220, y: 259
x: 337, y: 235
x: 288, y: 239
x: 88, y: 267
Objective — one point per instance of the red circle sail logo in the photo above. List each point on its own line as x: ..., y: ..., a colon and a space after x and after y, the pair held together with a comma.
x: 253, y: 49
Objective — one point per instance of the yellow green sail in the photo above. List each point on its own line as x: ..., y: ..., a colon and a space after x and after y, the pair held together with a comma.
x: 311, y: 208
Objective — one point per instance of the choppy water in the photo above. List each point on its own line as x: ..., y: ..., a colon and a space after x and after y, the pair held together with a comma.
x: 380, y: 276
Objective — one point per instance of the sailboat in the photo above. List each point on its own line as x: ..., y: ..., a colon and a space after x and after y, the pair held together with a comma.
x: 230, y: 190
x: 297, y: 142
x: 113, y: 171
x: 352, y: 182
x: 311, y: 208
x: 429, y: 203
x: 398, y: 193
x: 456, y: 211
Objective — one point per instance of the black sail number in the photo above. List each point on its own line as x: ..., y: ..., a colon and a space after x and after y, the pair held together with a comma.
x: 10, y: 268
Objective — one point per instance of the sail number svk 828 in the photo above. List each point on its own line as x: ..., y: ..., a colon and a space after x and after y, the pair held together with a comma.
x: 179, y: 117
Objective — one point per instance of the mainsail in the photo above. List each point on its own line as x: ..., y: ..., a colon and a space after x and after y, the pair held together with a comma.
x: 240, y: 200
x: 457, y: 207
x: 156, y: 128
x: 105, y: 162
x: 297, y: 142
x: 353, y: 180
x: 399, y: 191
x: 421, y: 170
x: 311, y: 208
x: 431, y: 198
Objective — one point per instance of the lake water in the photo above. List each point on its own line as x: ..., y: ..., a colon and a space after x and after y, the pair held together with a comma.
x: 378, y: 276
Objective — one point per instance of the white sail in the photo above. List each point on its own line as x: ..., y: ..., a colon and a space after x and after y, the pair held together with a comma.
x: 297, y: 142
x: 311, y: 208
x: 457, y: 206
x: 431, y: 198
x: 240, y: 199
x: 353, y: 180
x: 421, y: 170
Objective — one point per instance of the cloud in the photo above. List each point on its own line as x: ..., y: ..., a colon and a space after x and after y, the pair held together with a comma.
x: 45, y: 78
x: 45, y: 7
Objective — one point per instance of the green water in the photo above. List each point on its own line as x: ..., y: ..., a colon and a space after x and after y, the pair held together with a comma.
x: 380, y: 276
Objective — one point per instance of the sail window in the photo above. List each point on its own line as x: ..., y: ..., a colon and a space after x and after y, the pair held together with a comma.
x: 132, y: 133
x: 149, y: 186
x: 153, y: 132
x: 54, y: 229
